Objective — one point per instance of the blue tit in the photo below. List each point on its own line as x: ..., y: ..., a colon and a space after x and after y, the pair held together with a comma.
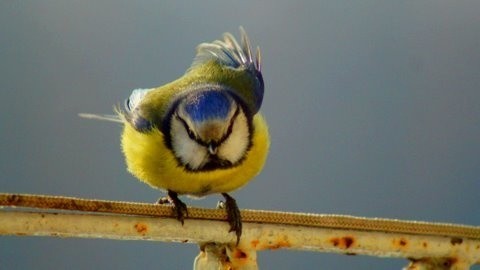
x: 202, y: 133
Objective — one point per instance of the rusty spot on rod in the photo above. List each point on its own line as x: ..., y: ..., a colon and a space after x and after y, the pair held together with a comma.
x: 342, y: 242
x: 401, y: 243
x: 141, y: 228
x: 456, y: 241
x: 238, y: 254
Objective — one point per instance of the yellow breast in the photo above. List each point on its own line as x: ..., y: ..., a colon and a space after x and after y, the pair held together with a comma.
x: 152, y: 162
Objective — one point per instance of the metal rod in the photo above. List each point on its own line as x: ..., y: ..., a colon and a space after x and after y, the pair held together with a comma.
x: 460, y: 253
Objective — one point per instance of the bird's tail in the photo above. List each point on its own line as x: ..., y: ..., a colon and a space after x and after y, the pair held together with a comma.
x: 102, y: 117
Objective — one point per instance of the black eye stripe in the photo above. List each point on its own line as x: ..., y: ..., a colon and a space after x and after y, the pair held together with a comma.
x: 230, y: 126
x: 190, y: 132
x: 192, y: 135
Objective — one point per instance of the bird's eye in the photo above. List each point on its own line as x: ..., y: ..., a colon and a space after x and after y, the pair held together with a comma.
x: 190, y: 132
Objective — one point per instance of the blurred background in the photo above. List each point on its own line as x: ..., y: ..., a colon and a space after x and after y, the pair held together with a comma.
x: 373, y: 108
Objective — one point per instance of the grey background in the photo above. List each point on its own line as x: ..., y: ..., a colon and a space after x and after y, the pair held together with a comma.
x: 373, y: 108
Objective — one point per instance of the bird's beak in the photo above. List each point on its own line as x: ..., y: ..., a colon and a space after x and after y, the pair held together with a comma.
x: 212, y: 149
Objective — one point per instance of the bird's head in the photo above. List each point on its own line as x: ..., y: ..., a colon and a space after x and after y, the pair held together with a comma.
x: 209, y: 130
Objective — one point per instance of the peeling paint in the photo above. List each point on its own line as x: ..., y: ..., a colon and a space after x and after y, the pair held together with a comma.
x: 274, y: 245
x: 282, y: 242
x: 432, y: 263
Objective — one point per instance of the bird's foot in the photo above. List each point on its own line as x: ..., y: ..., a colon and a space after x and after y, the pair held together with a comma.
x: 179, y: 208
x: 234, y: 217
x: 163, y: 200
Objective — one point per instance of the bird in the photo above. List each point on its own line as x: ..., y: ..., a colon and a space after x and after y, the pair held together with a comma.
x: 202, y: 133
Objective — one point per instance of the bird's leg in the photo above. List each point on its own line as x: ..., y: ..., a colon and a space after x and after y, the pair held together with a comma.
x: 233, y: 215
x: 179, y: 207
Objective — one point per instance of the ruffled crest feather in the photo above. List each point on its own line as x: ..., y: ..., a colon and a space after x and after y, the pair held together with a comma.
x: 229, y: 53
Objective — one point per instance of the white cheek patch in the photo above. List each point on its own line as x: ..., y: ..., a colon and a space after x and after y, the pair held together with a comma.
x: 235, y: 146
x: 188, y: 151
x: 195, y: 156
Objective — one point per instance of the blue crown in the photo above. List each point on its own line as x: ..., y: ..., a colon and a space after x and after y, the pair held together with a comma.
x: 205, y: 105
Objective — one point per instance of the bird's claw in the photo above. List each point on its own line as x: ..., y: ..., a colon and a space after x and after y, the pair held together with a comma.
x: 234, y: 217
x: 179, y: 208
x: 180, y: 211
